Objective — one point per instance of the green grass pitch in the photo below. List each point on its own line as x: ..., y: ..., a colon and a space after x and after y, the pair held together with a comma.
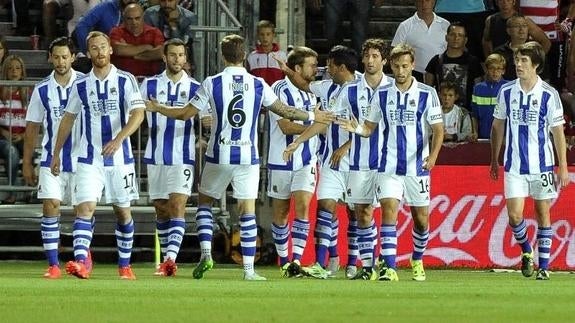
x: 446, y: 296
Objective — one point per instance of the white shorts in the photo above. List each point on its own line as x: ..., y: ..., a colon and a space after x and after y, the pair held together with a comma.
x: 332, y: 184
x: 244, y: 179
x: 281, y: 183
x: 538, y: 186
x: 56, y: 187
x: 361, y: 187
x: 164, y: 180
x: 118, y: 182
x: 415, y: 189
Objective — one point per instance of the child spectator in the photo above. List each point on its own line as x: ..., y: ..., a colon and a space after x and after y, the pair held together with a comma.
x: 455, y: 119
x: 485, y: 96
x: 260, y: 62
x: 12, y: 119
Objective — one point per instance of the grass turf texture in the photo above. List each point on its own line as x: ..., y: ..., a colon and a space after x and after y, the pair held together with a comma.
x: 222, y: 296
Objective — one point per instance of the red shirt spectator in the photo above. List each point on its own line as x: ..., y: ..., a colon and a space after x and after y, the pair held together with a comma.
x: 137, y: 46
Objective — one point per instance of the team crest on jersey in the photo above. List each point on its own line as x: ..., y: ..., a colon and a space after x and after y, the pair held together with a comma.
x: 59, y: 111
x: 412, y: 103
x: 183, y: 94
x: 534, y: 103
x: 113, y: 91
x: 331, y: 104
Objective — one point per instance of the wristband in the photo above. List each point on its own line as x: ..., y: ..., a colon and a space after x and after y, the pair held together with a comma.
x: 310, y: 116
x: 359, y: 130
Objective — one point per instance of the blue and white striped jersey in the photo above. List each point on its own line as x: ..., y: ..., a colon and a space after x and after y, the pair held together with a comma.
x: 335, y: 137
x: 235, y: 98
x: 529, y: 117
x: 104, y: 107
x: 407, y: 117
x: 306, y: 152
x: 365, y: 153
x: 46, y: 106
x: 170, y: 141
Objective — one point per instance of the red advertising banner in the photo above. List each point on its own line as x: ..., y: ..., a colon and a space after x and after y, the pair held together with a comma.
x: 469, y: 225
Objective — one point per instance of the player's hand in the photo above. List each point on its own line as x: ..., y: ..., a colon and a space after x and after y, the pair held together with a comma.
x: 206, y: 122
x: 325, y: 117
x: 111, y: 147
x: 17, y: 137
x: 346, y: 124
x: 152, y: 105
x: 473, y: 137
x: 429, y: 162
x: 282, y: 64
x: 29, y: 174
x: 55, y: 165
x: 338, y: 155
x: 288, y: 152
x: 494, y: 170
x: 562, y: 177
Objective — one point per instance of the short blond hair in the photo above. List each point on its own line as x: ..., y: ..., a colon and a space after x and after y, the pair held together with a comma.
x: 495, y: 59
x: 94, y: 34
x: 400, y: 50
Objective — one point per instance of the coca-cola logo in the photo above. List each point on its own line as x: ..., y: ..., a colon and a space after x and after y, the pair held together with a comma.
x: 472, y: 229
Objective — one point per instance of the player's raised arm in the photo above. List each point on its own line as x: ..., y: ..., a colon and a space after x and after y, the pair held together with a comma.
x: 297, y: 80
x: 311, y: 131
x: 352, y: 125
x: 185, y: 113
x: 134, y: 121
x: 292, y: 113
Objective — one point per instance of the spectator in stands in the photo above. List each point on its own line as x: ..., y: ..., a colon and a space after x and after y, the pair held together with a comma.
x: 517, y: 29
x: 175, y: 22
x: 546, y: 15
x: 569, y: 114
x: 12, y: 119
x: 102, y: 17
x: 148, y: 3
x: 4, y: 51
x: 456, y: 120
x: 22, y: 19
x: 261, y: 62
x: 493, y: 36
x: 472, y: 14
x: 137, y: 46
x: 52, y: 8
x: 334, y: 12
x: 425, y: 33
x: 455, y: 65
x: 485, y: 95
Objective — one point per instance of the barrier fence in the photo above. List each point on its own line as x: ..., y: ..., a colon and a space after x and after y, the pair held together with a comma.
x: 469, y: 226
